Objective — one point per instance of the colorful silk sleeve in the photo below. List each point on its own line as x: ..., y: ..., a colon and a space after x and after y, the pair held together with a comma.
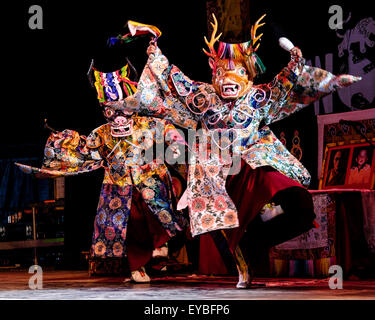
x: 66, y: 153
x: 299, y: 85
x: 271, y: 97
x: 313, y: 84
x: 156, y: 95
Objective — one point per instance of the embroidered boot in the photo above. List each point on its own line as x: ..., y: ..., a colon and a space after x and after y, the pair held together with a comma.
x: 245, y: 273
x: 140, y: 276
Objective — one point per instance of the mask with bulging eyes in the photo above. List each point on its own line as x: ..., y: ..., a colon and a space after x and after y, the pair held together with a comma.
x: 234, y: 65
x: 120, y: 120
x: 230, y: 78
x: 112, y: 88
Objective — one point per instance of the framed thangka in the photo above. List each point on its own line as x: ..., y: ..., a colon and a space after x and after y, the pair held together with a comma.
x: 348, y: 166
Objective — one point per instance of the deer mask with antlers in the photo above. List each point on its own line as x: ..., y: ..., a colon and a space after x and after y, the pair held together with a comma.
x: 234, y: 65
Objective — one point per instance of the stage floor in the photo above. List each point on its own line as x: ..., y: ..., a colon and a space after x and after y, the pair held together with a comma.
x: 78, y: 285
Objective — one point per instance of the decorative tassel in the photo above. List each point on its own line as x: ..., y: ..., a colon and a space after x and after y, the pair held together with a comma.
x: 126, y: 89
x: 99, y: 86
x: 128, y: 85
x: 113, y: 41
x: 124, y: 39
x: 258, y: 64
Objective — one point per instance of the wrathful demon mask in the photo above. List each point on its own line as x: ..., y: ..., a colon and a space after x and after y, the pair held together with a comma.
x: 114, y: 87
x: 234, y: 65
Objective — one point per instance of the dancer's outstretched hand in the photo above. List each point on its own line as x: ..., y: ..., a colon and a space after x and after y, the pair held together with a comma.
x: 287, y: 45
x: 296, y: 52
x: 152, y: 47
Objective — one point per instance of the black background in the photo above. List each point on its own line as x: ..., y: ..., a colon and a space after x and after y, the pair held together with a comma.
x: 44, y: 71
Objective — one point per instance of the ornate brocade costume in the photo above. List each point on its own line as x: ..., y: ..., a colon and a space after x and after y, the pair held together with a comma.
x: 238, y: 127
x: 68, y: 153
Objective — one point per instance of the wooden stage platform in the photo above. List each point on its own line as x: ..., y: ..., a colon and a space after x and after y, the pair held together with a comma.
x: 78, y: 285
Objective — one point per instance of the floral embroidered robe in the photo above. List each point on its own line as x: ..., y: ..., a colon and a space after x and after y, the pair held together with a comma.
x: 237, y: 128
x: 68, y: 153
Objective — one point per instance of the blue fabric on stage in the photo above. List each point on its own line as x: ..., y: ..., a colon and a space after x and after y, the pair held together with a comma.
x: 17, y: 189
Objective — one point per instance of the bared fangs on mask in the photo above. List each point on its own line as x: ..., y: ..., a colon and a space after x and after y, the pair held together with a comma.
x: 136, y: 179
x: 120, y: 121
x: 234, y: 65
x: 232, y: 115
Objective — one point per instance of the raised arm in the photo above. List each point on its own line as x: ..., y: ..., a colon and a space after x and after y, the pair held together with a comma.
x: 271, y: 97
x: 163, y: 91
x: 299, y: 85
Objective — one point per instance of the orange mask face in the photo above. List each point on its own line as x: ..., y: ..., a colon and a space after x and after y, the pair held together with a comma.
x: 230, y: 78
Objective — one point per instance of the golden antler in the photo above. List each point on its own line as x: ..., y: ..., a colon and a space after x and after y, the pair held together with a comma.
x: 254, y: 29
x: 210, y: 44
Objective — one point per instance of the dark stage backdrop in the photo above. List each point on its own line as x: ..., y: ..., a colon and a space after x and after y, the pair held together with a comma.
x: 44, y: 71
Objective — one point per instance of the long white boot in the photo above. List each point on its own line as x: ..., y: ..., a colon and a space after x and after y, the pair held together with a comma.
x: 244, y: 278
